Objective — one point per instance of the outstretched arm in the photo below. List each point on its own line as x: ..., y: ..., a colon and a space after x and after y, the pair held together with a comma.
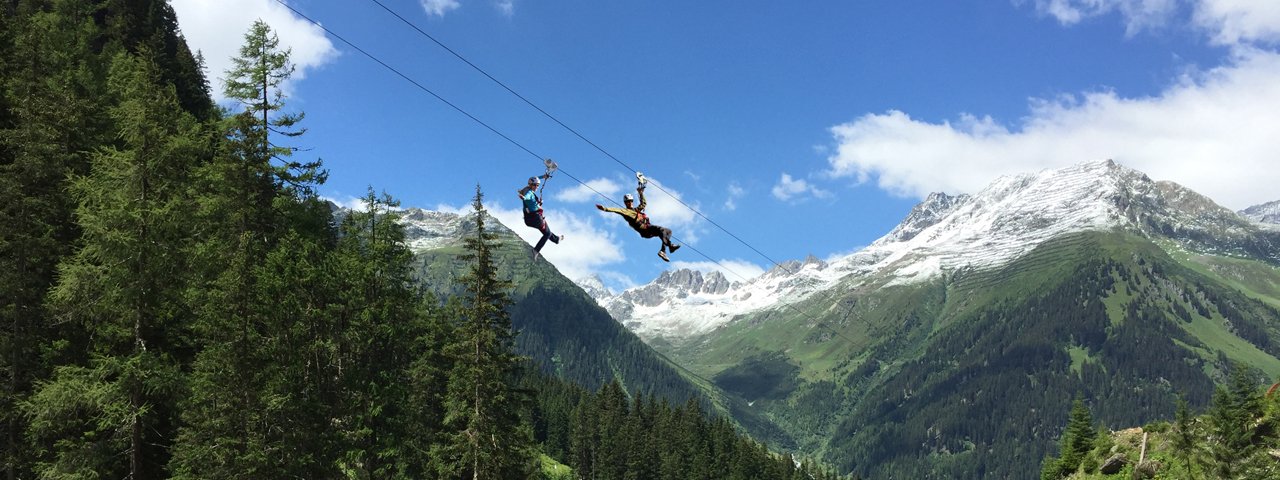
x: 640, y: 190
x: 619, y: 211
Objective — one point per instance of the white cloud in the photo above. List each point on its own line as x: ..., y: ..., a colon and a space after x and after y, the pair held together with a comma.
x: 1217, y: 132
x: 348, y: 202
x: 665, y: 208
x: 792, y: 188
x: 581, y: 193
x: 735, y: 192
x: 506, y: 7
x: 1228, y: 22
x: 439, y: 7
x: 1138, y: 14
x: 586, y: 249
x: 216, y: 28
x: 1240, y: 21
x: 734, y: 270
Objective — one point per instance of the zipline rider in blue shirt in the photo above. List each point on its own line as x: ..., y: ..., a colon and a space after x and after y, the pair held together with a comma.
x: 533, y: 214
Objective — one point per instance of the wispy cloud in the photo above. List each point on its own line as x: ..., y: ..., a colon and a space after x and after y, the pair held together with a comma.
x: 1227, y: 22
x: 1232, y: 22
x: 1213, y: 131
x: 506, y: 7
x: 582, y: 193
x: 217, y: 28
x: 795, y: 189
x: 1139, y: 15
x: 735, y: 192
x: 439, y: 7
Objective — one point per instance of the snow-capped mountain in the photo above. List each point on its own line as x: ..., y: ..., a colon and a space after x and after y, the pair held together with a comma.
x: 1265, y: 213
x: 594, y: 287
x: 946, y: 233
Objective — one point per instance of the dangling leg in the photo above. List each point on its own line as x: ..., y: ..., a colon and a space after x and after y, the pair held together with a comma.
x: 666, y: 240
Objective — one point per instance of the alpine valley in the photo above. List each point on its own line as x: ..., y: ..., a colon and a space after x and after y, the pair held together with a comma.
x: 953, y: 346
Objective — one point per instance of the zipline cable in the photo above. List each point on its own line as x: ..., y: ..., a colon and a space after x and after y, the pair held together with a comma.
x: 539, y: 157
x: 571, y: 130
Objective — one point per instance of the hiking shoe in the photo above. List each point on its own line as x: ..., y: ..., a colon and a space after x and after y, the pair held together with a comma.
x: 536, y: 255
x: 664, y: 256
x: 674, y: 248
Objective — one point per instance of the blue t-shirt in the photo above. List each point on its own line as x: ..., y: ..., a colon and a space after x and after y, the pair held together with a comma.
x: 531, y: 201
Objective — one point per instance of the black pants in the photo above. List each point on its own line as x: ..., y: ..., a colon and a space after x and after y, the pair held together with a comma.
x: 655, y: 231
x: 535, y: 220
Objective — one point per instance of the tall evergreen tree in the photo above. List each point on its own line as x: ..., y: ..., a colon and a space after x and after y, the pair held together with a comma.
x: 381, y: 322
x: 124, y: 287
x: 258, y: 211
x: 486, y: 437
x: 52, y: 115
x: 1232, y: 423
x: 1184, y: 437
x: 1077, y: 440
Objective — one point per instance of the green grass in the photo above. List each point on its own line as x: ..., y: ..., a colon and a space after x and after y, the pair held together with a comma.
x: 553, y: 470
x: 1079, y: 357
x: 1215, y: 336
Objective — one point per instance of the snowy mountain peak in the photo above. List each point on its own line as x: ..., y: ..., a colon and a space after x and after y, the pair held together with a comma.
x: 793, y: 267
x: 426, y: 229
x: 1006, y: 220
x: 595, y: 287
x: 1265, y: 213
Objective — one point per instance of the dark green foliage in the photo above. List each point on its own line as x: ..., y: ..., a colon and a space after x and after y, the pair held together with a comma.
x: 616, y: 436
x: 767, y: 375
x: 986, y: 393
x: 1077, y: 441
x: 1184, y: 438
x: 124, y: 285
x: 1233, y: 426
x: 487, y: 437
x: 254, y: 399
x: 53, y: 114
x: 1230, y: 441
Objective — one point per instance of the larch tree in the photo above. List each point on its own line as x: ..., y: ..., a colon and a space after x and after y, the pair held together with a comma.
x: 256, y: 201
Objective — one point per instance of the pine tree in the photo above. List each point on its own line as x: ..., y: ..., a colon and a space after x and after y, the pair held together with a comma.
x: 124, y: 287
x: 485, y: 438
x: 258, y: 213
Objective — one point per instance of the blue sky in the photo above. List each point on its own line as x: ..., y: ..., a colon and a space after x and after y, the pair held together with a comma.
x: 801, y: 127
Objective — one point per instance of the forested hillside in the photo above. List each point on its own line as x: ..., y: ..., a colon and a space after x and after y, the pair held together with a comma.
x: 1235, y: 438
x: 178, y: 302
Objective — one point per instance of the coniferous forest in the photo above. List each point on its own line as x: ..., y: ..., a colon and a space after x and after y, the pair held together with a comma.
x: 179, y: 303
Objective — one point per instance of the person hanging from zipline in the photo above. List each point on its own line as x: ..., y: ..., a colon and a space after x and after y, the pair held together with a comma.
x: 640, y: 222
x: 531, y: 197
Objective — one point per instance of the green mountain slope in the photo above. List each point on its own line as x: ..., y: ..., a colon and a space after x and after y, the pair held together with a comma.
x: 568, y: 335
x: 970, y: 375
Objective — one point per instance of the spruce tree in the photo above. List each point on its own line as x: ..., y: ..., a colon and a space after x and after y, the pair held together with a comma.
x: 1232, y: 420
x: 53, y: 115
x: 259, y: 207
x: 381, y: 322
x: 485, y: 438
x: 1184, y: 437
x: 1076, y: 442
x: 124, y: 287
